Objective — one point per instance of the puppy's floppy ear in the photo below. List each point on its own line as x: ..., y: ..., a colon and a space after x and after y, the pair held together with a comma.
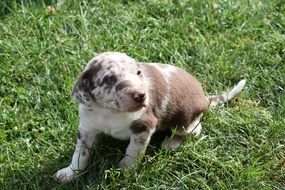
x: 78, y: 91
x: 85, y: 84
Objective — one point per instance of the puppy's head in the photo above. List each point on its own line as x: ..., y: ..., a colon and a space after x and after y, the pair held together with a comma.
x: 112, y: 80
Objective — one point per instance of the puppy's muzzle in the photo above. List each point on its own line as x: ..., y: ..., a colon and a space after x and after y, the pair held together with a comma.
x: 138, y: 97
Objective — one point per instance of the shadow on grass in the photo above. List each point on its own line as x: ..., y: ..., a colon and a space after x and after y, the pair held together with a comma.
x: 105, y: 159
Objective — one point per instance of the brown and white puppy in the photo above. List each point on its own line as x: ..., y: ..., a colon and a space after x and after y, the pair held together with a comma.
x: 130, y: 100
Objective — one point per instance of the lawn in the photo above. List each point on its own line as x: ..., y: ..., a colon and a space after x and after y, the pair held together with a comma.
x: 43, y: 50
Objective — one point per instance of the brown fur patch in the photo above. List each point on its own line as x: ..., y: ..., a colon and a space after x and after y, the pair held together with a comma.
x: 187, y: 100
x: 122, y: 85
x: 89, y: 75
x: 146, y: 122
x: 85, y: 82
x: 139, y: 126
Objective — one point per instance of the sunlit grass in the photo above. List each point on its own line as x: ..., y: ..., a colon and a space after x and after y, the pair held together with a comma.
x: 43, y: 50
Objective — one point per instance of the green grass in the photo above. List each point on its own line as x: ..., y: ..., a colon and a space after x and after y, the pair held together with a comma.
x: 243, y: 143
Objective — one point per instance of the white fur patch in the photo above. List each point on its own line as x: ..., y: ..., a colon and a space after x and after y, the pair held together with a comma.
x: 113, y: 123
x: 235, y: 90
x: 115, y: 57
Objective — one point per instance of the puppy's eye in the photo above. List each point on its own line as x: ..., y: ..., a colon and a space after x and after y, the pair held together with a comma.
x: 139, y: 73
x: 110, y: 80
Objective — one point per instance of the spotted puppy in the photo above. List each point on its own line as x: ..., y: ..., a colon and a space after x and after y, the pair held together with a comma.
x: 130, y: 100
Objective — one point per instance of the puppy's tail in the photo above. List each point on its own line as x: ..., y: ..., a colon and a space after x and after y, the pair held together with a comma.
x: 226, y: 96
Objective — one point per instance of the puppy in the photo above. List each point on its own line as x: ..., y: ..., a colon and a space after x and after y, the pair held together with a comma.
x: 130, y: 100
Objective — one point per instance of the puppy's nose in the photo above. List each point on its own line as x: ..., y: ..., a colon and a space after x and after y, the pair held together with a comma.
x: 138, y: 96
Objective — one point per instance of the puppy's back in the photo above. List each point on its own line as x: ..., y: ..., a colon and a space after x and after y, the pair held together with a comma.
x: 176, y: 97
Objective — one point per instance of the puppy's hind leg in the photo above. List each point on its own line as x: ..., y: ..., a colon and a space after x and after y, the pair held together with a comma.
x: 181, y: 134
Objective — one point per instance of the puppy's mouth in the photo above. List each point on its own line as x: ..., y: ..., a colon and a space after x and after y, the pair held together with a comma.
x: 136, y: 108
x: 133, y: 108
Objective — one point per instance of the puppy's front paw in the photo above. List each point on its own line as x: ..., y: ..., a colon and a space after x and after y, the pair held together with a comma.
x: 65, y: 175
x: 126, y: 163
